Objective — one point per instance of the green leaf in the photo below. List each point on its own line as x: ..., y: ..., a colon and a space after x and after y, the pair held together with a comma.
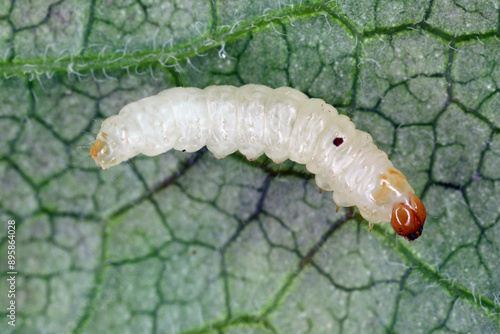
x: 186, y: 243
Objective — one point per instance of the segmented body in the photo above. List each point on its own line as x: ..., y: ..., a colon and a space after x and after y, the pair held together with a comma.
x: 282, y: 123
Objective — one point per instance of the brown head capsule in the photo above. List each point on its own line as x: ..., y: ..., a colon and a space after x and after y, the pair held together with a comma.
x: 408, y: 218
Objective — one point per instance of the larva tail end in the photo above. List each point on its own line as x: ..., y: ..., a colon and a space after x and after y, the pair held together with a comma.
x: 100, y: 153
x: 408, y: 218
x: 96, y: 148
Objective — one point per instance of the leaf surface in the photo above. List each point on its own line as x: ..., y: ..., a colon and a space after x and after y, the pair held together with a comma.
x: 186, y: 243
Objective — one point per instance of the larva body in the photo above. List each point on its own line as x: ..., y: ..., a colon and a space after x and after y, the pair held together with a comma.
x: 284, y: 124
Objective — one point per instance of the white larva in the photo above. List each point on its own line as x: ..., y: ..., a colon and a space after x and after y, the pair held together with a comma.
x: 284, y: 124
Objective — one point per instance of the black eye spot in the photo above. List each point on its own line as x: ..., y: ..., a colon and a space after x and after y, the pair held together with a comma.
x: 338, y: 141
x: 183, y: 150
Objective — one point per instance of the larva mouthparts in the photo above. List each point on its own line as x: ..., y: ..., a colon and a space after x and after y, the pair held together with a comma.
x: 284, y: 124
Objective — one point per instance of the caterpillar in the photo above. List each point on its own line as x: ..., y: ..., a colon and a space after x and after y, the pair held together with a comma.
x: 284, y: 124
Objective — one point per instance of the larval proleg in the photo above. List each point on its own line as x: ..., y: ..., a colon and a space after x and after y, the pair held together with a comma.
x: 282, y: 123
